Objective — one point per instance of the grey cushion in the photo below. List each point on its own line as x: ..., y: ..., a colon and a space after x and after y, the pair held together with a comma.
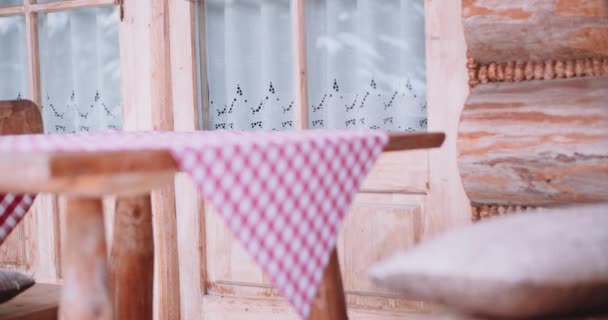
x: 12, y: 283
x: 552, y: 262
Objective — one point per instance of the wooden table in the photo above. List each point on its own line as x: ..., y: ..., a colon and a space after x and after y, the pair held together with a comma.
x: 124, y: 290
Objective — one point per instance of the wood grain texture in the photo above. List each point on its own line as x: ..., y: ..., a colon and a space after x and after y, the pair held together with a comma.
x: 538, y: 143
x: 20, y: 117
x: 85, y: 294
x: 528, y: 30
x: 11, y: 11
x: 166, y: 281
x: 186, y: 116
x: 38, y: 303
x: 300, y: 70
x: 132, y: 258
x: 330, y: 303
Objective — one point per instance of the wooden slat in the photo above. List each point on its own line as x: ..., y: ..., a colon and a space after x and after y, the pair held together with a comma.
x: 299, y: 59
x: 166, y: 281
x: 11, y: 11
x: 446, y: 76
x: 411, y: 141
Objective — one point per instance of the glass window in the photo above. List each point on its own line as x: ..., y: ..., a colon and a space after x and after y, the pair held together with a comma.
x: 10, y: 3
x: 80, y: 70
x: 249, y: 62
x: 13, y: 58
x: 366, y: 64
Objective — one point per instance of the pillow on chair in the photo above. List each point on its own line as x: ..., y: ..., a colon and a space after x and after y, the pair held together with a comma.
x: 12, y: 283
x: 551, y: 262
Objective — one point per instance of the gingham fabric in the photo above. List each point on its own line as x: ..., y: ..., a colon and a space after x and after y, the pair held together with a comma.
x: 282, y: 194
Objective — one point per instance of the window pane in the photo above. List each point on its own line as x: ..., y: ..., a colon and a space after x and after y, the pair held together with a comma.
x: 249, y: 54
x: 366, y: 64
x: 80, y: 70
x: 10, y: 3
x: 13, y: 58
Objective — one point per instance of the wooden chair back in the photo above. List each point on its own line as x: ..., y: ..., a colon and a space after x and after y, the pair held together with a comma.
x: 20, y: 117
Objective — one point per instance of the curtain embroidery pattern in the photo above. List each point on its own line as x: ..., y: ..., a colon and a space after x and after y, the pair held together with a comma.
x: 80, y: 70
x: 366, y: 64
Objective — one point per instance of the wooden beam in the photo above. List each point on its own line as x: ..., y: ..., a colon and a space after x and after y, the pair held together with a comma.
x: 536, y: 143
x: 166, y: 281
x: 330, y: 303
x: 67, y: 5
x: 299, y: 58
x: 535, y: 30
x: 11, y: 11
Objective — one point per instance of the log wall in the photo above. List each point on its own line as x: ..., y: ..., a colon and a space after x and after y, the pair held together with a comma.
x: 534, y: 129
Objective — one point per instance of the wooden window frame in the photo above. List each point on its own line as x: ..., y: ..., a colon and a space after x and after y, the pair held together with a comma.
x: 299, y: 68
x: 44, y: 257
x: 30, y: 9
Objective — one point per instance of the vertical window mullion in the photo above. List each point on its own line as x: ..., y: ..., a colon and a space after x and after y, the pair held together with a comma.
x: 33, y: 58
x: 299, y: 59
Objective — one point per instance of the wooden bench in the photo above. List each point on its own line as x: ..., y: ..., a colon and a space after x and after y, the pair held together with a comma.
x: 39, y: 302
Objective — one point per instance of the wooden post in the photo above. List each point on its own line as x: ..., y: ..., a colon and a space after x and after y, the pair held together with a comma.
x: 85, y: 293
x: 132, y: 258
x: 330, y: 303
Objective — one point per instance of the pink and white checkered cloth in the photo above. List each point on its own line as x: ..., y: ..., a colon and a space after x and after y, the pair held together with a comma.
x: 282, y: 194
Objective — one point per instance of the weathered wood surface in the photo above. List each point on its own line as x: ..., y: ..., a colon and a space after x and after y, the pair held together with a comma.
x: 38, y: 303
x: 85, y: 295
x: 524, y: 30
x: 537, y: 143
x: 330, y: 303
x: 19, y: 117
x: 132, y: 258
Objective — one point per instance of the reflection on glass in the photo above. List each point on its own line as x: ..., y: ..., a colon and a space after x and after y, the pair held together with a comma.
x: 249, y: 58
x: 10, y: 3
x: 13, y: 58
x: 366, y: 64
x: 80, y: 70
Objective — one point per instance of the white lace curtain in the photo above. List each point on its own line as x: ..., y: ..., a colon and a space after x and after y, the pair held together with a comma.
x: 366, y: 64
x: 79, y: 68
x: 13, y: 58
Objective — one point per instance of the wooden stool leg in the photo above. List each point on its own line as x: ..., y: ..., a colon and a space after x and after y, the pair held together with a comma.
x: 330, y: 303
x: 85, y: 294
x: 132, y: 258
